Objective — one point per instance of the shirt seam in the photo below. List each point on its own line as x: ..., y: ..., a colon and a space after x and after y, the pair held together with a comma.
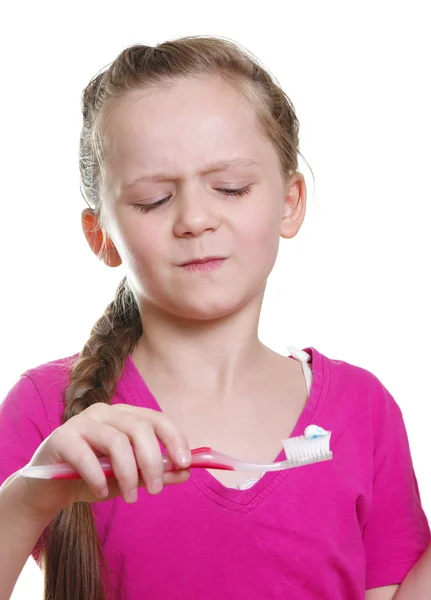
x: 393, y: 564
x: 41, y: 401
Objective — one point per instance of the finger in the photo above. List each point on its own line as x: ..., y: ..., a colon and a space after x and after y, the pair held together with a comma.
x: 141, y: 436
x: 166, y: 431
x: 172, y: 477
x: 148, y: 454
x: 115, y: 443
x: 169, y: 478
x: 75, y: 451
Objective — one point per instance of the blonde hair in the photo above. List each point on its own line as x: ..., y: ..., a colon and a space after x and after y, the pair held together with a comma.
x: 72, y: 556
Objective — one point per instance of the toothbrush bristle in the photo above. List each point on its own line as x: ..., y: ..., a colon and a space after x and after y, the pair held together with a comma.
x: 299, y: 449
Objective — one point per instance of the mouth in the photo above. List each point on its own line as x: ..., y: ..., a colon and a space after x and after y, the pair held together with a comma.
x: 203, y: 265
x: 201, y: 261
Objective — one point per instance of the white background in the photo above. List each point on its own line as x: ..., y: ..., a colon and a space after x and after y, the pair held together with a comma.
x: 353, y: 283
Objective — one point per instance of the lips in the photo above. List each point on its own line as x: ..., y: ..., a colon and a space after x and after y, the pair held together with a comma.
x: 200, y: 261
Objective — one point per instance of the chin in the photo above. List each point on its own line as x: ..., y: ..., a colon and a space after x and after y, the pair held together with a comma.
x: 207, y: 311
x: 215, y: 306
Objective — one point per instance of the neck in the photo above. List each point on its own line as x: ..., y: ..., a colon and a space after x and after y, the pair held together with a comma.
x: 209, y: 355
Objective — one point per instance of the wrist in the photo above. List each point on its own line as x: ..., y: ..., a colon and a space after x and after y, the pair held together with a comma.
x: 14, y: 497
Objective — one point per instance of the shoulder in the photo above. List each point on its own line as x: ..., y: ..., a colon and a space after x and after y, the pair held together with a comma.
x: 357, y: 393
x: 51, y: 373
x: 344, y: 376
x: 29, y: 413
x: 38, y: 393
x: 347, y: 373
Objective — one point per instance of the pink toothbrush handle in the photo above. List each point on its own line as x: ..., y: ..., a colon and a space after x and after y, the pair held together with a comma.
x: 204, y: 458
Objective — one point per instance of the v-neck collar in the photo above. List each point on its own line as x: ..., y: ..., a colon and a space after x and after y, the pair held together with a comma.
x: 232, y: 498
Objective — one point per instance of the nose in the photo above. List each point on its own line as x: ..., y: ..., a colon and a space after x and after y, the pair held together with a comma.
x: 196, y: 212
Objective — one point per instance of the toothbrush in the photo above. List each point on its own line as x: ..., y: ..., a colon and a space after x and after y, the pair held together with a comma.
x: 312, y: 447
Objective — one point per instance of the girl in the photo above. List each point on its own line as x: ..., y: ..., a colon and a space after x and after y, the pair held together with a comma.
x: 188, y: 160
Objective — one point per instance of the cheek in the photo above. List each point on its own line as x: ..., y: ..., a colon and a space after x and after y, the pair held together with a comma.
x: 259, y: 235
x: 142, y: 246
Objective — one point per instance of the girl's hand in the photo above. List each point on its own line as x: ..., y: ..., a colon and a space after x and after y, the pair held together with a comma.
x: 128, y: 435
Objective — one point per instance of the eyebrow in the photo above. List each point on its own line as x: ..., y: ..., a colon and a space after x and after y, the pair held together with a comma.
x: 222, y: 165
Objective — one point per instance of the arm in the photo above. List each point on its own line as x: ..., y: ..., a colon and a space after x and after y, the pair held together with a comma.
x: 19, y: 532
x: 23, y: 427
x: 396, y: 533
x: 417, y: 584
x: 387, y: 592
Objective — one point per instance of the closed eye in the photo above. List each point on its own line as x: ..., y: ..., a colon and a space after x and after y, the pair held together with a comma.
x: 229, y: 192
x: 238, y: 192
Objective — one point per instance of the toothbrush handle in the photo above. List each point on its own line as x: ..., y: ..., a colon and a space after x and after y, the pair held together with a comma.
x: 204, y: 458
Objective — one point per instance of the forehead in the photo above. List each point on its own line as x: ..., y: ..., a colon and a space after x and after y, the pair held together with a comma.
x: 188, y: 102
x: 182, y: 125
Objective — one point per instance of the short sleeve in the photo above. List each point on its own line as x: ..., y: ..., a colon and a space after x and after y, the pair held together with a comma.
x: 396, y: 532
x: 23, y: 427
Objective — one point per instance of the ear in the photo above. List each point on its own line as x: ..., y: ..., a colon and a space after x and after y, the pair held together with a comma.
x: 294, y: 205
x: 98, y: 240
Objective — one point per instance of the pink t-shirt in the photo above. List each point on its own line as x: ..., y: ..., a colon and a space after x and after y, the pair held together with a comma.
x: 322, y: 532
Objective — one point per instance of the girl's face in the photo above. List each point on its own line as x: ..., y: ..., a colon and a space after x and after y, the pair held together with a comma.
x: 190, y: 177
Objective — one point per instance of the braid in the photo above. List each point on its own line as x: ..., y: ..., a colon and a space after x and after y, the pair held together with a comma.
x: 73, y: 571
x: 95, y: 373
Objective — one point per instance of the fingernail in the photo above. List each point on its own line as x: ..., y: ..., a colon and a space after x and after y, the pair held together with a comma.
x: 104, y: 493
x: 131, y: 496
x: 156, y: 486
x: 184, y: 457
